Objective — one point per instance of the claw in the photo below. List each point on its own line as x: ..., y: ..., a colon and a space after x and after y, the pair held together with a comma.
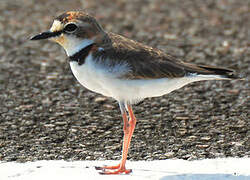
x: 98, y: 168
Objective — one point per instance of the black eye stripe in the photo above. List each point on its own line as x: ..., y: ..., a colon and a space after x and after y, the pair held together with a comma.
x: 70, y: 27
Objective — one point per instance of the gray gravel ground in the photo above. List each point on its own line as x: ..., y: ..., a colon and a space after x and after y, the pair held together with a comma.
x: 46, y: 114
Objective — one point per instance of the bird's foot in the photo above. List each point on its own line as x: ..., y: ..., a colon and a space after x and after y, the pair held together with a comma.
x: 113, y: 170
x: 107, y: 167
x: 118, y: 171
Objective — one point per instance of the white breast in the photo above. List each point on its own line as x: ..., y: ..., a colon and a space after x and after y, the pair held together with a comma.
x: 89, y: 76
x: 104, y: 80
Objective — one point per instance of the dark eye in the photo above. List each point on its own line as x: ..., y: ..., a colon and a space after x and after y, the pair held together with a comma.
x: 70, y: 28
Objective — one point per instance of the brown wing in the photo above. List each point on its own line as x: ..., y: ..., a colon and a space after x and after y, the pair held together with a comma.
x: 148, y: 63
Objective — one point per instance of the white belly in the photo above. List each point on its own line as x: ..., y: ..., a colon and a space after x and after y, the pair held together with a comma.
x: 99, y: 79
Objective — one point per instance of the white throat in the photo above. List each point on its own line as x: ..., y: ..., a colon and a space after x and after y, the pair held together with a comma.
x: 75, y: 45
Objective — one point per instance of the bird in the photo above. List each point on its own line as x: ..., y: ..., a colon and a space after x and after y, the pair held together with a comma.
x: 123, y: 69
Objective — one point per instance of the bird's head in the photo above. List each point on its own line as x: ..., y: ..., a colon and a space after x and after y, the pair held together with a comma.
x: 73, y: 30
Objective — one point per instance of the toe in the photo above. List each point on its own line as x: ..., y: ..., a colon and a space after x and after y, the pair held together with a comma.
x: 119, y: 171
x: 98, y: 168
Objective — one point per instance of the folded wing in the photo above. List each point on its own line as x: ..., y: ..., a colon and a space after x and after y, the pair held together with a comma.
x: 149, y: 63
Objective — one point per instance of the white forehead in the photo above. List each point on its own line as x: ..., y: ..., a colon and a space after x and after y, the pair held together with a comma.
x: 56, y: 26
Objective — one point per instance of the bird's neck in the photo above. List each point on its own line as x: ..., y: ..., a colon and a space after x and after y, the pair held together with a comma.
x: 82, y: 54
x: 76, y: 46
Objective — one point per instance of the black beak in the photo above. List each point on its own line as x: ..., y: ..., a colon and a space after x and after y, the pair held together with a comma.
x: 45, y: 35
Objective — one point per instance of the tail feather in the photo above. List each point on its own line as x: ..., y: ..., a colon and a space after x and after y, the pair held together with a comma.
x: 211, y: 70
x: 224, y: 72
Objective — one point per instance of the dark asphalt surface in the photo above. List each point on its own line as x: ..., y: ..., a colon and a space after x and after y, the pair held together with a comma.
x: 46, y: 114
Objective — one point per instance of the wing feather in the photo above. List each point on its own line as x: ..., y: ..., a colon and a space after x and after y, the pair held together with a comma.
x: 149, y: 63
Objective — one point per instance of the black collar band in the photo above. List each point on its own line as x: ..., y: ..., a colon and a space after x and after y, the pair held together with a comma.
x: 81, y: 55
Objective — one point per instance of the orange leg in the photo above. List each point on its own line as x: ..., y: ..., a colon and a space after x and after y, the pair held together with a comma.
x: 128, y: 129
